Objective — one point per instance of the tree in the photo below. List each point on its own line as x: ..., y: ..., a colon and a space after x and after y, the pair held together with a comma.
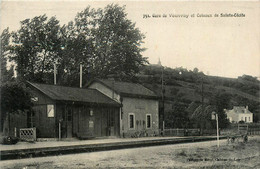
x: 201, y: 117
x: 14, y: 98
x: 221, y: 101
x: 177, y: 117
x: 103, y: 40
x: 195, y: 70
x: 112, y: 43
x: 248, y: 78
x: 120, y: 42
x: 35, y: 47
x: 6, y: 74
x: 78, y: 46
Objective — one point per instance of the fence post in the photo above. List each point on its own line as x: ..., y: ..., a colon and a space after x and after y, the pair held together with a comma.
x: 163, y: 129
x: 34, y: 134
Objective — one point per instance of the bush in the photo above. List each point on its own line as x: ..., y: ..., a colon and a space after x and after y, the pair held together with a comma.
x: 10, y: 140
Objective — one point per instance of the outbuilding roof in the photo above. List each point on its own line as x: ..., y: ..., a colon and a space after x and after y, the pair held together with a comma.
x: 127, y: 88
x: 63, y: 93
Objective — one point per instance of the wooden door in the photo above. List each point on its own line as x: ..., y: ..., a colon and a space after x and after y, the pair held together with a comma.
x: 69, y: 122
x: 111, y: 122
x: 63, y: 123
x: 98, y: 126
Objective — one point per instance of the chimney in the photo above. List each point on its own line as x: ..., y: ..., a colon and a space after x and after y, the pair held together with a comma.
x: 112, y: 77
x: 246, y: 107
x: 80, y: 80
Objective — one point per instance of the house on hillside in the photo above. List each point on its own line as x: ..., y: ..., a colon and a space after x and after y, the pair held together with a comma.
x: 140, y: 106
x: 80, y: 112
x: 239, y: 113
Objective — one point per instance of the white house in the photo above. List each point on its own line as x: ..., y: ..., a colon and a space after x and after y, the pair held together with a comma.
x: 239, y: 113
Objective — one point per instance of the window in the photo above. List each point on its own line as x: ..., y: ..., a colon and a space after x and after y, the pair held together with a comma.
x: 148, y: 121
x: 248, y: 119
x: 50, y: 110
x: 131, y: 121
x: 91, y: 113
x: 34, y: 99
x: 245, y: 119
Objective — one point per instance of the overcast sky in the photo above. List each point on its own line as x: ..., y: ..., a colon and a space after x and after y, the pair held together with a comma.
x: 220, y: 46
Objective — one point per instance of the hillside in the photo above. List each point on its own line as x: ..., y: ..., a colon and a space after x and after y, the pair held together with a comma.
x: 184, y: 89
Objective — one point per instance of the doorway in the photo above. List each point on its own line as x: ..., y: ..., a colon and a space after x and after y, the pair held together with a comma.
x: 66, y: 130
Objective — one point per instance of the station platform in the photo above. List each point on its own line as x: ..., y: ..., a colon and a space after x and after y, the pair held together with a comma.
x: 48, y: 148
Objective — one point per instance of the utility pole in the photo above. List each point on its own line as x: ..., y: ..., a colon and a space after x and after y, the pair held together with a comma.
x: 162, y: 113
x: 55, y: 73
x: 214, y: 116
x: 202, y: 101
x: 217, y: 129
x: 202, y: 93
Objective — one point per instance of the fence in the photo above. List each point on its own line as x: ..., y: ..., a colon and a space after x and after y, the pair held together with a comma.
x: 241, y: 129
x: 28, y: 134
x: 253, y: 131
x: 250, y: 128
x: 181, y: 132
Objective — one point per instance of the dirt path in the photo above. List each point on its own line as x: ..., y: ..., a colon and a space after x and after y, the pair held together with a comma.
x: 189, y: 155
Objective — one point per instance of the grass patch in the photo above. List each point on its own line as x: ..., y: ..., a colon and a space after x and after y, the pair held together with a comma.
x: 182, y: 153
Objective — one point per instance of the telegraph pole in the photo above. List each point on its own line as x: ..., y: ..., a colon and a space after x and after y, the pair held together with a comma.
x: 55, y: 73
x: 214, y: 116
x: 202, y: 101
x: 217, y: 129
x: 80, y: 80
x: 162, y: 113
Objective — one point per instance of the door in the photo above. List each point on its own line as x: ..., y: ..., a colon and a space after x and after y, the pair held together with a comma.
x: 63, y: 123
x: 98, y: 126
x: 69, y: 122
x: 111, y: 122
x: 66, y: 127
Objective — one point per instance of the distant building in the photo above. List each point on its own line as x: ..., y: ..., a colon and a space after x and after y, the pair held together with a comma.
x: 159, y: 64
x: 239, y: 113
x: 140, y: 106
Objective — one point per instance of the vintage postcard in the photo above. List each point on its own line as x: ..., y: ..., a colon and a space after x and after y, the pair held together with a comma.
x: 130, y: 84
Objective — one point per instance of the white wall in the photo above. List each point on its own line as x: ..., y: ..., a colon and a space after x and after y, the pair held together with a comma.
x: 105, y: 90
x: 140, y: 108
x: 246, y: 117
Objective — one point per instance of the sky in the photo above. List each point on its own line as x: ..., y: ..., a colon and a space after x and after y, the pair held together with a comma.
x: 218, y: 46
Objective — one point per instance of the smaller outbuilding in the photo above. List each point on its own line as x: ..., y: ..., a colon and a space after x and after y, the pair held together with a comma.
x: 239, y: 113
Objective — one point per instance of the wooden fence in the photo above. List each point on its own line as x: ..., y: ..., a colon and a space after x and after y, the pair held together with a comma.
x: 238, y: 129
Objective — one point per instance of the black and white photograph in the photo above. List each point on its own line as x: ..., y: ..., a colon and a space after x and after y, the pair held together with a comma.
x: 129, y: 84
